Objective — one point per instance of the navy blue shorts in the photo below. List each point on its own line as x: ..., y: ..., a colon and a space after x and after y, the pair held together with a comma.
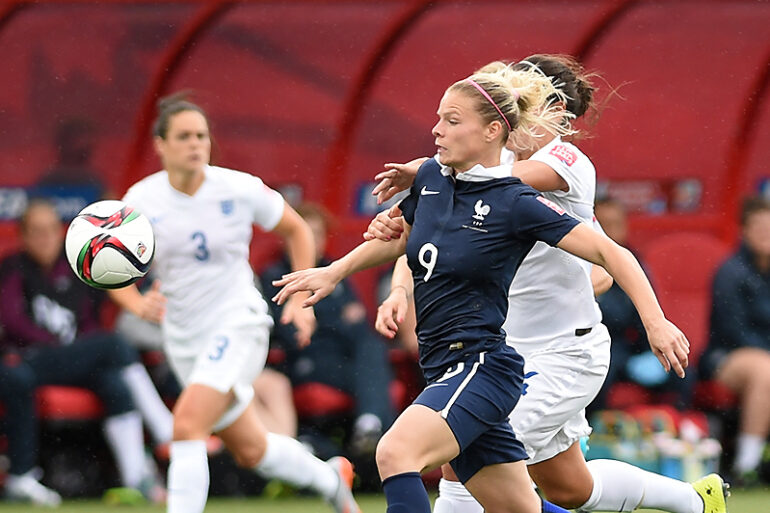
x: 475, y: 397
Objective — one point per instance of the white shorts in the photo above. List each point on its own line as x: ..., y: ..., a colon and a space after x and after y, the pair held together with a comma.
x: 558, y: 385
x: 231, y: 358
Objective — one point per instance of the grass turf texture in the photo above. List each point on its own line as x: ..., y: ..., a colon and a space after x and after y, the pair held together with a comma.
x: 741, y: 501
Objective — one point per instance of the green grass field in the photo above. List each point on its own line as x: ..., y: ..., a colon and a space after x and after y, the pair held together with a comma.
x: 754, y: 501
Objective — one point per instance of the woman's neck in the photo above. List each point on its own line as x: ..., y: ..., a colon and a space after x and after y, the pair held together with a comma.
x: 187, y: 183
x: 488, y: 160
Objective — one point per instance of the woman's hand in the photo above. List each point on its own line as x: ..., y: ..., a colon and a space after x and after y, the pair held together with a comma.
x: 396, y: 178
x: 302, y: 318
x: 386, y: 225
x: 152, y: 305
x: 319, y: 281
x: 669, y: 345
x: 391, y: 312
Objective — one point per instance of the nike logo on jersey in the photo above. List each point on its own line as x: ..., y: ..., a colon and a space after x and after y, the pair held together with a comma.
x: 426, y: 192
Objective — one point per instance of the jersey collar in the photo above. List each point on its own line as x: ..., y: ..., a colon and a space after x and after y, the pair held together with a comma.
x: 477, y: 173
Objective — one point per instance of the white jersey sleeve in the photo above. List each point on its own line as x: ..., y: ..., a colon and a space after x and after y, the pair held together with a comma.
x: 573, y: 166
x: 136, y: 199
x: 265, y: 204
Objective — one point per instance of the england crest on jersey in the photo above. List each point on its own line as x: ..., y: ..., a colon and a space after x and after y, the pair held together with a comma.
x: 227, y: 206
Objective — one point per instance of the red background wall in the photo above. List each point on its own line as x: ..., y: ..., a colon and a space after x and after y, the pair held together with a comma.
x: 321, y: 93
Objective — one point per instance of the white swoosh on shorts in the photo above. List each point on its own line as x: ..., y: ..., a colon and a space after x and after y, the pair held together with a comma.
x: 436, y: 385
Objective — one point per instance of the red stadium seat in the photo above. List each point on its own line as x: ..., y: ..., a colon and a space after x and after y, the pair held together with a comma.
x: 625, y: 395
x: 319, y: 400
x: 56, y: 403
x: 68, y: 403
x: 681, y: 267
x: 714, y: 396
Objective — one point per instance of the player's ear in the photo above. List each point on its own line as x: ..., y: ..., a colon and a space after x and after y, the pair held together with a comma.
x: 158, y: 143
x: 492, y: 131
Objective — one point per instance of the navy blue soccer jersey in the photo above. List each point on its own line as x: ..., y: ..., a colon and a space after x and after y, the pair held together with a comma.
x: 468, y: 238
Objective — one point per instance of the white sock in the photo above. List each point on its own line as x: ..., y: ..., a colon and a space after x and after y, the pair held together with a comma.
x: 748, y: 452
x: 288, y: 460
x: 453, y: 497
x: 619, y: 486
x: 156, y: 415
x: 126, y: 440
x: 188, y: 477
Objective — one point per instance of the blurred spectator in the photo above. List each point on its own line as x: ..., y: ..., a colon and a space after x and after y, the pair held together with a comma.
x: 631, y: 359
x: 738, y: 354
x: 145, y: 336
x: 52, y: 336
x: 72, y: 183
x: 345, y: 353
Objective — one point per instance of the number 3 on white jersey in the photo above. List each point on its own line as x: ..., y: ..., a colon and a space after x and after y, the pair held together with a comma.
x: 427, y: 256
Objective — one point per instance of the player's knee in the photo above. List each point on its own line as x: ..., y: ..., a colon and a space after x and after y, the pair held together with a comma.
x: 186, y: 428
x: 389, y: 453
x: 248, y: 456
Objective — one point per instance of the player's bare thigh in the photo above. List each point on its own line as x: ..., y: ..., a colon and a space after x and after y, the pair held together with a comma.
x: 504, y: 488
x: 246, y: 438
x: 419, y: 439
x: 196, y: 411
x: 564, y: 479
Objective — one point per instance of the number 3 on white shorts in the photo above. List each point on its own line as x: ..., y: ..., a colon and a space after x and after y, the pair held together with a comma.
x: 427, y: 256
x: 219, y: 350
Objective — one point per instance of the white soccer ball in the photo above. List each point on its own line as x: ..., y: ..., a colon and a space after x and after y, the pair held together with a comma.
x: 110, y: 244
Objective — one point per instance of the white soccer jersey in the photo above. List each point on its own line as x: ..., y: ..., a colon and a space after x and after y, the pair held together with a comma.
x: 551, y: 295
x: 202, y: 247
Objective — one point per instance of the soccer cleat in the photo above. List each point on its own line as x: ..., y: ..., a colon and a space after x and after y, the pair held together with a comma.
x: 713, y: 491
x: 342, y: 500
x: 26, y: 488
x: 124, y: 496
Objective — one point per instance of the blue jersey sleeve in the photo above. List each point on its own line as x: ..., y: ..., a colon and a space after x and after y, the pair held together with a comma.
x: 408, y: 205
x: 535, y: 217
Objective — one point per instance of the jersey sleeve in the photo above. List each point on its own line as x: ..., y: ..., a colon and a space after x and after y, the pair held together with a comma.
x: 408, y: 205
x: 134, y: 198
x: 535, y: 217
x: 265, y: 204
x: 565, y: 160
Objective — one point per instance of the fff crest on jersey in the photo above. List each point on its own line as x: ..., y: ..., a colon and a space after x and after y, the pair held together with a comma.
x: 481, y: 211
x: 227, y: 206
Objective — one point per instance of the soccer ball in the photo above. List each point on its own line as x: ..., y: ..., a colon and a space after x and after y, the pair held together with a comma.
x: 109, y: 244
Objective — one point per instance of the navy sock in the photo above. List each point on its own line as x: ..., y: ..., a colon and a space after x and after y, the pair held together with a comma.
x: 405, y: 493
x: 552, y: 508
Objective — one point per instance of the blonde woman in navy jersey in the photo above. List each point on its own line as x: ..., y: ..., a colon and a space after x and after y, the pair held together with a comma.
x: 469, y: 225
x: 566, y: 356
